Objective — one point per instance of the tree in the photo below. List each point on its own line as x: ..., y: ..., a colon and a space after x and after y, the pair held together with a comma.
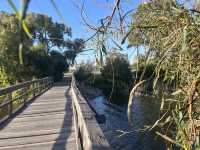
x: 9, y: 41
x: 40, y: 59
x: 171, y: 33
x: 38, y: 62
x: 47, y: 32
x: 73, y: 49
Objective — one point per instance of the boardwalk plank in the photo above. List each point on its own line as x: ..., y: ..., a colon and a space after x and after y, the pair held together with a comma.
x: 53, y: 145
x: 46, y: 124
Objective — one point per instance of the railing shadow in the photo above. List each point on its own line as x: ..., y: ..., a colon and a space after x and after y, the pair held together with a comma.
x: 66, y: 128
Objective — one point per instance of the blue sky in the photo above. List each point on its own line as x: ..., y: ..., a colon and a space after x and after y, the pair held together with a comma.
x: 95, y: 9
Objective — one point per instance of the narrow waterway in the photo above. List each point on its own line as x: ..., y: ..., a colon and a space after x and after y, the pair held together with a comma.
x: 145, y: 111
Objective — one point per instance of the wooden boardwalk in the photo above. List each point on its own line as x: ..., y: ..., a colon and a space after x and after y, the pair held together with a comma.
x: 45, y: 124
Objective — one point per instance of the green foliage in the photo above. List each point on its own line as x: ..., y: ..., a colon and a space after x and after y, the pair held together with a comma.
x: 38, y: 54
x: 73, y: 49
x: 171, y: 32
x: 117, y: 78
x: 83, y: 73
x: 9, y: 41
x: 38, y: 62
x: 59, y: 65
x: 41, y: 65
x: 45, y: 31
x: 21, y: 15
x: 147, y: 72
x: 115, y: 83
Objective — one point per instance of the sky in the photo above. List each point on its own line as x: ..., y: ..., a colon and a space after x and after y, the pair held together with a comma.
x: 95, y: 10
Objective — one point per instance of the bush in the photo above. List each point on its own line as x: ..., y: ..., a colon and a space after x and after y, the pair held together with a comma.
x: 116, y: 65
x: 40, y: 65
x: 148, y: 73
x: 83, y: 72
x: 59, y: 65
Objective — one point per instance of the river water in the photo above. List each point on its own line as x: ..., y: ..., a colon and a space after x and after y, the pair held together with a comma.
x: 145, y: 111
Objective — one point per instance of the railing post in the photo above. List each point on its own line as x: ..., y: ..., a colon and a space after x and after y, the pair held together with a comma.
x: 51, y: 82
x: 24, y: 95
x: 42, y: 87
x: 34, y: 88
x: 38, y: 88
x: 10, y: 104
x: 48, y: 84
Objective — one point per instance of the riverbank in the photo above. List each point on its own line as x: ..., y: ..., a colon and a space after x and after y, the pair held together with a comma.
x: 88, y: 91
x: 145, y: 111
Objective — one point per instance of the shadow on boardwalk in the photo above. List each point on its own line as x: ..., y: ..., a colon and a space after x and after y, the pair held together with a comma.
x: 65, y: 132
x: 34, y: 126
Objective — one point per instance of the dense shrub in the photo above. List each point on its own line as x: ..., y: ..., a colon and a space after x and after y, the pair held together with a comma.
x: 115, y: 89
x: 39, y: 64
x: 146, y: 72
x: 117, y: 78
x: 83, y: 72
x: 38, y: 53
x: 59, y: 65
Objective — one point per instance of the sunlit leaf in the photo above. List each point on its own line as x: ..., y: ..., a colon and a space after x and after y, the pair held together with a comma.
x: 175, y: 118
x: 168, y: 119
x: 21, y: 53
x: 184, y: 44
x: 177, y: 92
x: 162, y: 104
x: 25, y: 27
x: 10, y: 2
x: 97, y: 61
x: 180, y: 115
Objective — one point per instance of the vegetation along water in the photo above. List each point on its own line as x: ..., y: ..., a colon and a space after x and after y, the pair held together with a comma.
x: 127, y: 50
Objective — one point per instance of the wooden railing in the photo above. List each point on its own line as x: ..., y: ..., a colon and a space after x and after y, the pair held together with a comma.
x: 88, y: 132
x: 15, y: 97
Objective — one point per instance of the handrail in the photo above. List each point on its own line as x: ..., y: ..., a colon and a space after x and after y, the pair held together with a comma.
x: 88, y: 132
x: 20, y: 85
x: 17, y: 96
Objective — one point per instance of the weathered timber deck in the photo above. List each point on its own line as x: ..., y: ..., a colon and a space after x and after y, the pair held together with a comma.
x: 45, y: 124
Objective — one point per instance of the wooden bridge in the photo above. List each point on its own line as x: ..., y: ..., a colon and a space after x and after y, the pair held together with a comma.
x: 42, y: 115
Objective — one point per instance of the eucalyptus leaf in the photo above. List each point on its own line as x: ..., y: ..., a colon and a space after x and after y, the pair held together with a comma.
x: 10, y: 2
x: 168, y: 119
x: 26, y: 29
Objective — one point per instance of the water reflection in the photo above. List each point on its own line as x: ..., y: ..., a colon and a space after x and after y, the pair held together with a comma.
x: 145, y: 111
